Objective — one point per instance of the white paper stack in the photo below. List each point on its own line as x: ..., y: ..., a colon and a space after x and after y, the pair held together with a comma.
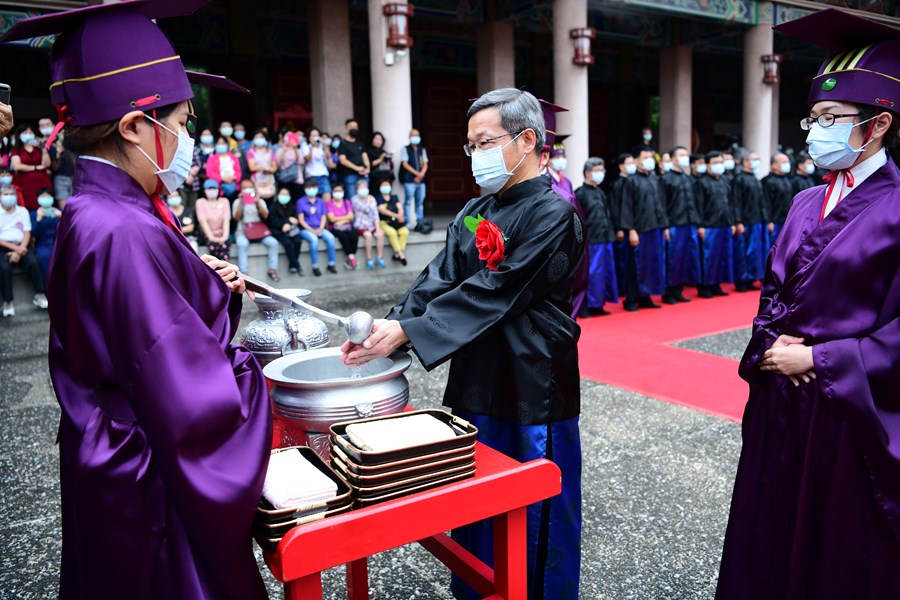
x: 293, y: 481
x: 403, y: 432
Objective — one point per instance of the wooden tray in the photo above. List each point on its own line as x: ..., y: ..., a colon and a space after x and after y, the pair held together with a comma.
x: 465, y: 436
x: 363, y: 502
x: 393, y: 475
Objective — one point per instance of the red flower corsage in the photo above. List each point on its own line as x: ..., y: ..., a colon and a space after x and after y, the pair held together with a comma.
x: 489, y: 240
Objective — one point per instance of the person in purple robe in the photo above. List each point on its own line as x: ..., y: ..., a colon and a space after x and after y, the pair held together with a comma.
x: 165, y: 430
x: 816, y: 505
x: 554, y: 150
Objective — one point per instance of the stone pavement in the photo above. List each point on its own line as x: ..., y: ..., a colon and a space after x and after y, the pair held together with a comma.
x: 657, y: 478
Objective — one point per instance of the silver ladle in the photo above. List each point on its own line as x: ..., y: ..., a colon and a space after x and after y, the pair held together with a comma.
x: 357, y: 326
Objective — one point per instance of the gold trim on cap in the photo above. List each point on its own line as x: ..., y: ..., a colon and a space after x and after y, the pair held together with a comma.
x: 862, y: 71
x: 115, y: 72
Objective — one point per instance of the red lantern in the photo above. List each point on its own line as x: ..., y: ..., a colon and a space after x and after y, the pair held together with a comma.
x: 771, y: 68
x: 397, y: 14
x: 582, y: 37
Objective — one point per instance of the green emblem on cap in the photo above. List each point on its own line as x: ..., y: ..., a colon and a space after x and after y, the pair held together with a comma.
x: 829, y: 84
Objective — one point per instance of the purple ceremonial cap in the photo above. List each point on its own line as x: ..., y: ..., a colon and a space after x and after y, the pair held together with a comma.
x: 110, y: 59
x: 865, y: 65
x: 552, y: 138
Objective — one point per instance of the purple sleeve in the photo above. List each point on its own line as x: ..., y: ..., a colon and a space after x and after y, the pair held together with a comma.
x: 764, y: 332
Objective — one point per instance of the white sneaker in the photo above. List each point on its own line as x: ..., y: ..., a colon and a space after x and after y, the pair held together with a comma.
x: 8, y: 309
x: 40, y: 300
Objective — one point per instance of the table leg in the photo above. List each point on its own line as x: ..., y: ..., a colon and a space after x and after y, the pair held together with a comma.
x: 510, y: 555
x: 358, y: 579
x: 305, y: 588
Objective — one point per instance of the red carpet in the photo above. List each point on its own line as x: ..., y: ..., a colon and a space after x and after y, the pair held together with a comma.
x: 633, y: 351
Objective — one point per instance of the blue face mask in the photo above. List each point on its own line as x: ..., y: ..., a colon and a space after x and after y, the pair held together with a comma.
x: 630, y: 169
x: 259, y: 142
x: 335, y: 143
x: 312, y: 192
x: 27, y: 138
x: 8, y: 200
x: 283, y: 199
x: 717, y: 169
x: 239, y: 135
x: 45, y: 201
x: 701, y: 169
x: 489, y: 168
x: 222, y: 148
x: 6, y: 180
x: 598, y: 176
x: 830, y: 147
x: 206, y: 139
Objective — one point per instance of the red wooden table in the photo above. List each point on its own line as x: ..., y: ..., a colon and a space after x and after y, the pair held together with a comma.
x: 500, y: 489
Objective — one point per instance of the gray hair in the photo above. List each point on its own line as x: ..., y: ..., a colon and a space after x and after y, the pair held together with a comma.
x: 592, y: 162
x: 7, y: 187
x: 519, y: 111
x: 741, y: 154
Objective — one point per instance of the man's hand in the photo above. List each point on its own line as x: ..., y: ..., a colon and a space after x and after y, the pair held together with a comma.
x: 14, y: 257
x: 620, y: 235
x: 701, y: 232
x: 386, y: 337
x: 667, y: 234
x: 286, y: 227
x: 634, y: 239
x: 739, y: 229
x: 771, y: 227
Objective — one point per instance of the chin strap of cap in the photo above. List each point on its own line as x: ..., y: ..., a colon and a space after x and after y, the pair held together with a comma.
x: 63, y: 119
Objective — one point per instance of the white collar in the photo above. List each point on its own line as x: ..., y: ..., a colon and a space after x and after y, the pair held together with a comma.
x: 98, y: 159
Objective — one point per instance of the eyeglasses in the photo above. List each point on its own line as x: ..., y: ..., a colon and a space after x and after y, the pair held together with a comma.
x: 824, y: 120
x: 485, y: 144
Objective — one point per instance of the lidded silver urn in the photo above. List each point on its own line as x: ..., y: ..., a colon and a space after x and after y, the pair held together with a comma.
x: 280, y: 330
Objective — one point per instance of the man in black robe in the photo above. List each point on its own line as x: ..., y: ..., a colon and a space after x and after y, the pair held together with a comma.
x: 601, y: 233
x: 682, y: 249
x: 751, y: 217
x: 627, y: 167
x: 804, y: 176
x: 643, y: 217
x: 504, y: 323
x: 779, y: 189
x: 716, y: 225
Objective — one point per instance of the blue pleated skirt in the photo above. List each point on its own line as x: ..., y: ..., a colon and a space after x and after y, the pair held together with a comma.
x: 650, y: 261
x: 717, y: 256
x: 683, y: 256
x: 602, y: 284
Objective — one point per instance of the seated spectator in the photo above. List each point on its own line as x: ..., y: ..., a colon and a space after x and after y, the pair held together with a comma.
x: 261, y: 162
x: 15, y: 235
x: 185, y: 217
x: 365, y: 221
x: 290, y: 159
x: 380, y: 160
x: 340, y: 222
x: 393, y: 221
x: 224, y: 168
x: 285, y: 227
x: 30, y: 165
x: 6, y: 178
x: 250, y: 212
x: 319, y: 162
x: 311, y: 213
x: 214, y: 220
x: 43, y: 228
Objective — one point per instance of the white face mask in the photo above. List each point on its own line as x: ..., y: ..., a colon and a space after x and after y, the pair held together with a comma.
x: 338, y: 195
x: 648, y: 137
x: 717, y: 169
x: 785, y: 167
x: 648, y: 164
x: 212, y: 193
x: 729, y: 164
x: 559, y: 164
x: 684, y: 161
x: 174, y: 175
x: 173, y: 201
x: 385, y: 190
x: 754, y: 165
x: 45, y: 131
x: 9, y: 200
x: 830, y: 146
x: 226, y: 131
x: 489, y: 168
x: 667, y: 166
x: 362, y: 192
x: 598, y: 176
x: 630, y: 169
x: 810, y: 169
x: 415, y: 140
x: 701, y: 169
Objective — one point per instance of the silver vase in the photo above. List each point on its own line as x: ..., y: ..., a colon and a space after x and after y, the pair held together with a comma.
x: 281, y: 330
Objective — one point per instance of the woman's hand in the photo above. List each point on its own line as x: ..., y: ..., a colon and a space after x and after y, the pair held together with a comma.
x: 227, y: 271
x: 386, y: 336
x: 789, y: 356
x: 286, y: 227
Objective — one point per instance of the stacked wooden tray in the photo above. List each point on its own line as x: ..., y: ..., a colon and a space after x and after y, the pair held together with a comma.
x: 271, y: 524
x: 378, y: 476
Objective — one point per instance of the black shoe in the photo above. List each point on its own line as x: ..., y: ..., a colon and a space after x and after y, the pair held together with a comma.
x: 317, y: 272
x: 669, y: 300
x: 648, y: 304
x: 403, y: 262
x: 293, y: 270
x: 598, y: 312
x: 741, y: 287
x: 704, y: 292
x: 681, y: 299
x: 718, y: 291
x: 331, y: 269
x: 418, y: 227
x: 631, y: 307
x: 395, y: 257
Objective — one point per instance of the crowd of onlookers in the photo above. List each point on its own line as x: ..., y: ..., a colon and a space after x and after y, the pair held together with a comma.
x: 278, y: 189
